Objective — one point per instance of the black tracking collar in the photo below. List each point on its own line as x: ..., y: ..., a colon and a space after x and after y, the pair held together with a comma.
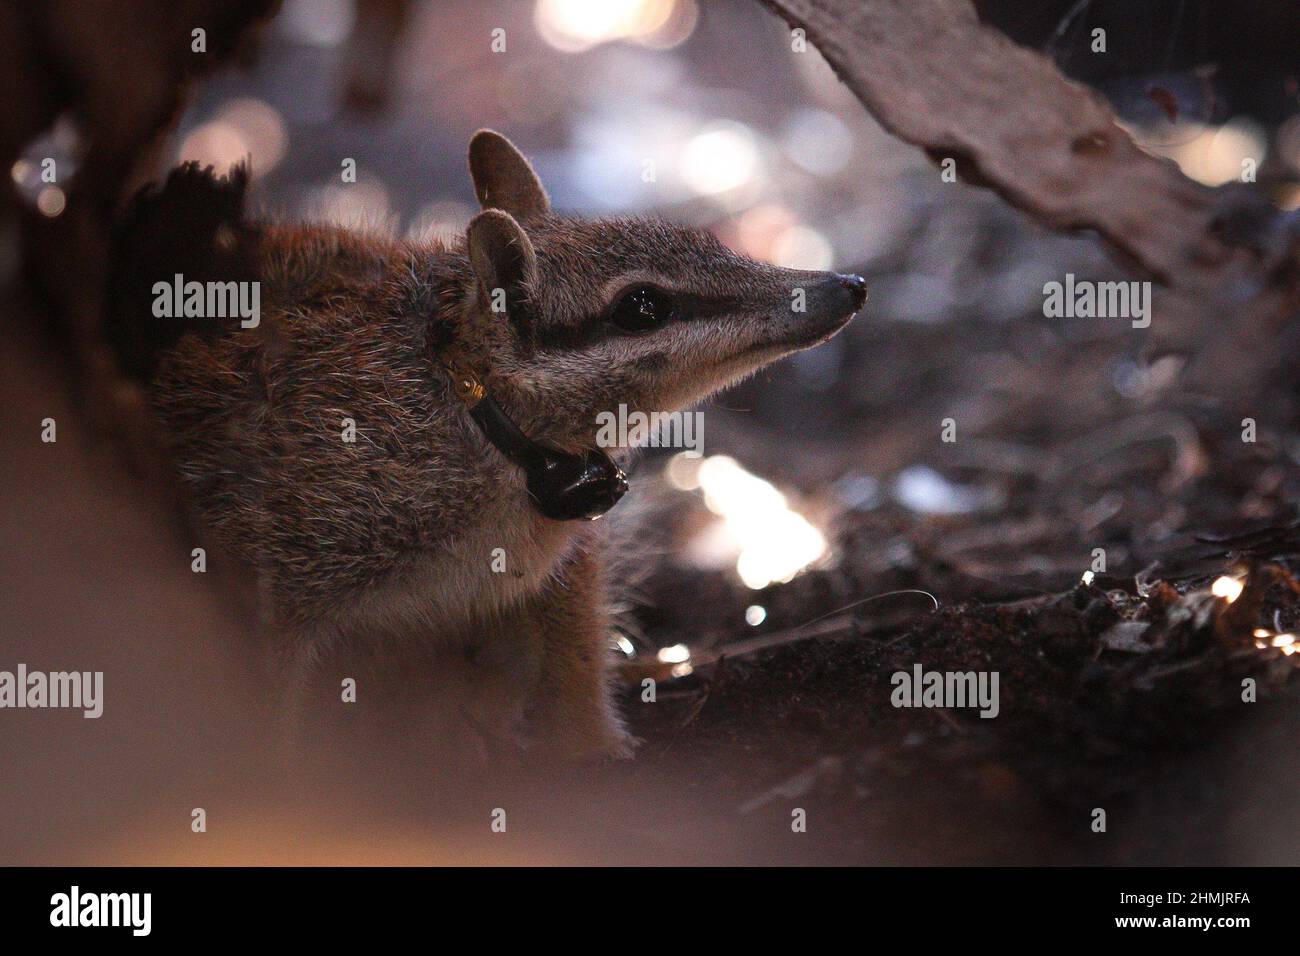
x: 562, y: 485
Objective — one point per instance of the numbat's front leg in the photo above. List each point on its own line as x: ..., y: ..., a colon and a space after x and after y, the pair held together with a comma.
x: 574, y: 709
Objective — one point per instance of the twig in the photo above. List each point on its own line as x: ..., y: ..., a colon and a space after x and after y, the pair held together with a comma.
x: 719, y: 675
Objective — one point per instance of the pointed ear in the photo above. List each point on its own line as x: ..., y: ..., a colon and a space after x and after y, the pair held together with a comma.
x: 504, y: 263
x: 502, y: 177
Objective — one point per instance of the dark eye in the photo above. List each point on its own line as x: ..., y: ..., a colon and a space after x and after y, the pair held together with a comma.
x: 642, y: 309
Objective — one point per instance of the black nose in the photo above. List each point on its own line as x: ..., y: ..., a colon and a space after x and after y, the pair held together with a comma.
x: 856, y: 286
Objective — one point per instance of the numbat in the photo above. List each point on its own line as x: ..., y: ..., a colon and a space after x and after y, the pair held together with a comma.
x: 403, y: 449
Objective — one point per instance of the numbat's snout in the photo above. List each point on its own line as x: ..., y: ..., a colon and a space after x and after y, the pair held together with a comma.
x: 342, y: 448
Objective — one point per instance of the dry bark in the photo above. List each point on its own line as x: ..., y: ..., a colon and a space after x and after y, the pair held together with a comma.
x: 934, y: 76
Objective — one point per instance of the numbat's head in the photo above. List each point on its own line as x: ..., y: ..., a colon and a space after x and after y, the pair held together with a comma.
x: 562, y: 318
x: 581, y: 316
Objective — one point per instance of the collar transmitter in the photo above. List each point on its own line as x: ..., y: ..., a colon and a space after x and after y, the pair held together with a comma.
x: 563, y: 486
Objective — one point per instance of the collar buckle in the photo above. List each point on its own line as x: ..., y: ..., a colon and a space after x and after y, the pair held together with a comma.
x: 465, y: 384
